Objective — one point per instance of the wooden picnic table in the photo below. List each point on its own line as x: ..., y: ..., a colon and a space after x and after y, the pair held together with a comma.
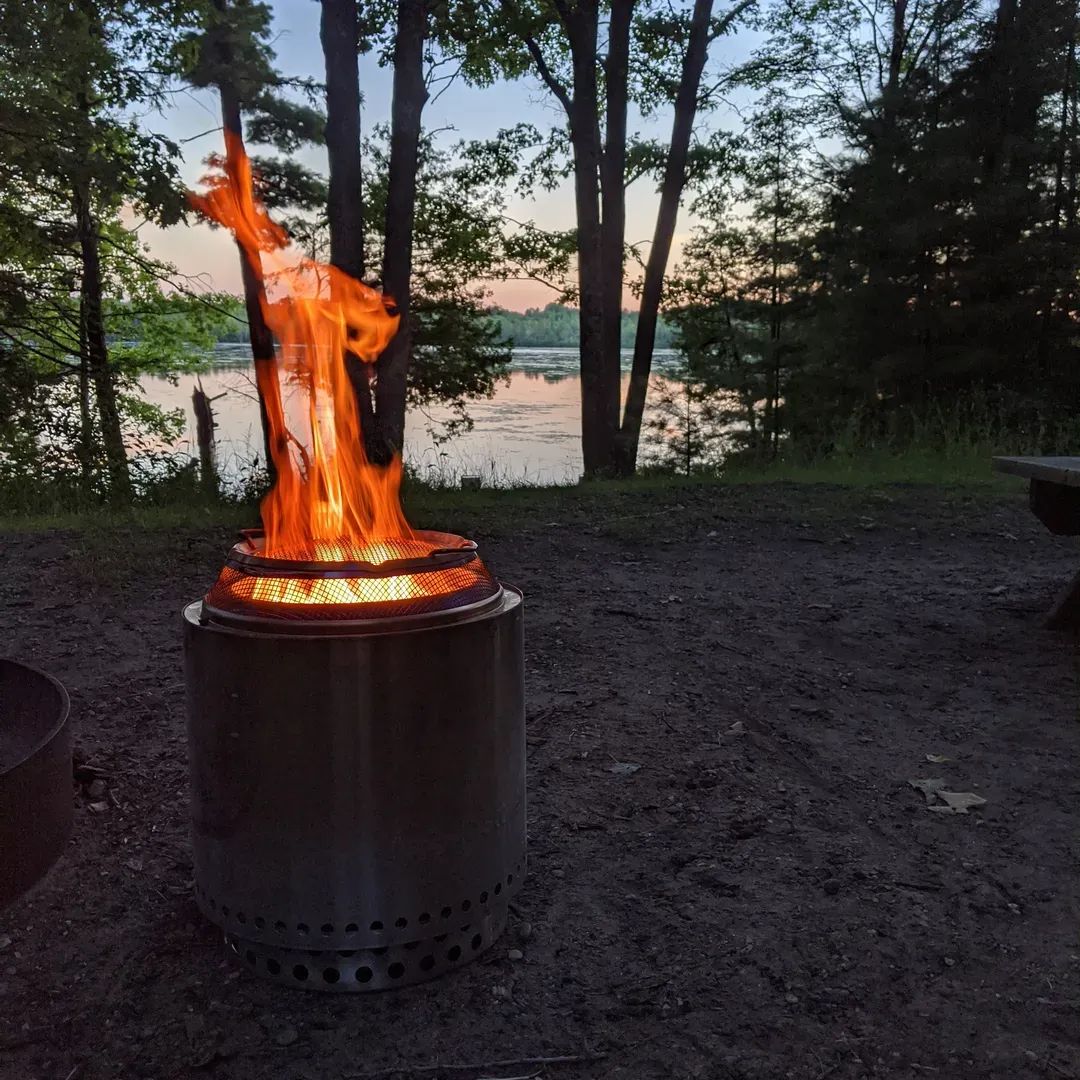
x: 1054, y: 497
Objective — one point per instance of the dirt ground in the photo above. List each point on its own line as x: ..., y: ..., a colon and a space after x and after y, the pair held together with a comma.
x: 765, y: 897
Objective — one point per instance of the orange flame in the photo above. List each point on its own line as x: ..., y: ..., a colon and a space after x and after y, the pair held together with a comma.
x: 329, y: 502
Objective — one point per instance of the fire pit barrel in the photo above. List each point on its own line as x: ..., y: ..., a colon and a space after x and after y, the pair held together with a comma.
x: 358, y: 790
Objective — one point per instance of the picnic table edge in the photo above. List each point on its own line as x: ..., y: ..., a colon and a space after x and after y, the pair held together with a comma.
x: 1055, y: 470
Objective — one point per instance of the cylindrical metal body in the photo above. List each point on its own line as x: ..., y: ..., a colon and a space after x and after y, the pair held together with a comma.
x: 36, y: 806
x: 358, y: 798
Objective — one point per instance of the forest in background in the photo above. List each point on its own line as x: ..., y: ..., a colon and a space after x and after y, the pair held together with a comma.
x: 886, y: 247
x: 555, y: 326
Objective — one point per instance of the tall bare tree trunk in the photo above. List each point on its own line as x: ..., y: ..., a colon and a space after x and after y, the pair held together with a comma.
x: 345, y: 208
x: 613, y: 220
x: 262, y: 340
x: 410, y: 96
x: 597, y: 433
x: 670, y: 195
x: 91, y: 317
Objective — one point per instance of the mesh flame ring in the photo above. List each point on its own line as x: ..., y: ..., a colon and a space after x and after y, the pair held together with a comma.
x: 420, y: 575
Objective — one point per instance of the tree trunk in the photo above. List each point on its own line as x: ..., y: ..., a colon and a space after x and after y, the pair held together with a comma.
x: 597, y: 428
x: 1057, y: 257
x: 775, y: 309
x: 262, y: 340
x: 86, y: 419
x: 97, y: 353
x: 897, y: 46
x: 338, y: 33
x: 204, y: 437
x: 345, y: 207
x: 670, y: 196
x: 410, y: 96
x: 613, y: 218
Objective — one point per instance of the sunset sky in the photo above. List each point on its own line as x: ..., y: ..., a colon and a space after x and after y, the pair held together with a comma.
x: 193, y: 118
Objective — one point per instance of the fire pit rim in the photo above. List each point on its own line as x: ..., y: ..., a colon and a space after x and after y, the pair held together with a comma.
x: 253, y: 622
x: 63, y: 710
x: 451, y: 550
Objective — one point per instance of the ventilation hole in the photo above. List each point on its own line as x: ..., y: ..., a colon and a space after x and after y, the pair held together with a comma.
x: 331, y: 975
x: 327, y: 928
x: 427, y: 963
x: 345, y: 954
x: 402, y: 923
x: 509, y: 879
x: 260, y: 923
x: 280, y: 927
x: 477, y: 941
x: 213, y: 904
x: 447, y: 912
x: 410, y: 945
x: 498, y: 888
x: 300, y: 973
x: 465, y: 905
x: 376, y: 925
x: 364, y: 975
x: 273, y: 967
x: 302, y: 928
x: 241, y: 918
x: 440, y: 937
x: 235, y: 948
x: 454, y: 954
x: 352, y: 928
x: 250, y: 957
x: 224, y: 911
x: 483, y: 898
x: 466, y: 928
x: 395, y: 971
x: 425, y: 917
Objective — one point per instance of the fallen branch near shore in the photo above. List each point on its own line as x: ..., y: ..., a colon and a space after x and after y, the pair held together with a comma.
x: 479, y: 1066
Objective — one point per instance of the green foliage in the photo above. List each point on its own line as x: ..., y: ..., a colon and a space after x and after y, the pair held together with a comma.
x: 555, y: 326
x: 928, y: 264
x: 73, y: 166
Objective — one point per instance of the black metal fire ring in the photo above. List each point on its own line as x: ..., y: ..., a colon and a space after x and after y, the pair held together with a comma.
x: 36, y: 808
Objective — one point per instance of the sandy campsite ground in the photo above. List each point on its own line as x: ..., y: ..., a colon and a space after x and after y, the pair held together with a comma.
x: 765, y: 897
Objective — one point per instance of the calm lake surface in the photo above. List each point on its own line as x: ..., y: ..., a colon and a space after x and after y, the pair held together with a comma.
x: 529, y: 431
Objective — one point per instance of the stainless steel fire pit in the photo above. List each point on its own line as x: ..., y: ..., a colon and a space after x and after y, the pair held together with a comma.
x: 358, y: 784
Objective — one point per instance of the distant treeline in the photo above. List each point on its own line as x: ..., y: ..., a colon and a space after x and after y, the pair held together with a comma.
x: 552, y: 327
x: 556, y: 327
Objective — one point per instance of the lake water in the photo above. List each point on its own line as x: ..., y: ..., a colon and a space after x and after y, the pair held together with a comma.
x: 529, y: 431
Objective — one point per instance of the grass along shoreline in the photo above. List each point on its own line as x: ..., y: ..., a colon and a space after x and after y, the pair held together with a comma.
x: 425, y: 505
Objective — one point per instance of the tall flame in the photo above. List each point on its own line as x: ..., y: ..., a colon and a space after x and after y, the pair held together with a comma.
x: 329, y: 502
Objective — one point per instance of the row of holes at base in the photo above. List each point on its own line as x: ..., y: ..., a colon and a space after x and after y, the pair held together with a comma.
x: 364, y: 974
x: 352, y: 928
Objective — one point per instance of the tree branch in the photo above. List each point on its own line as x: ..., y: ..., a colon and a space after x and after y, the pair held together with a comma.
x: 546, y: 73
x: 729, y: 18
x: 38, y: 352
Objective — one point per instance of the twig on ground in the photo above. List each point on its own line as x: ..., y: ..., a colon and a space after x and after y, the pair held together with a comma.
x: 479, y: 1066
x: 527, y: 1076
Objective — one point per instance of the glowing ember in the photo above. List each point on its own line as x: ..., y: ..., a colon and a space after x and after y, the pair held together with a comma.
x: 329, y: 502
